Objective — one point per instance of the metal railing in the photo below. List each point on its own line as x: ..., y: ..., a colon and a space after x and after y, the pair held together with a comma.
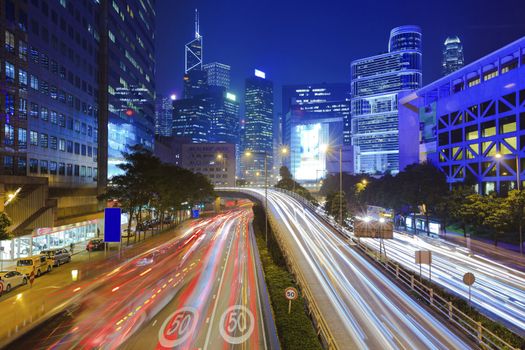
x: 474, y: 329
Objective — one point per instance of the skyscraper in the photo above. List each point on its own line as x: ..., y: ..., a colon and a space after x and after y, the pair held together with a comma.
x: 314, y: 116
x: 376, y: 82
x: 193, y: 49
x: 258, y: 128
x: 131, y: 87
x: 218, y: 74
x: 164, y: 115
x: 452, y: 55
x: 224, y: 112
x: 192, y: 120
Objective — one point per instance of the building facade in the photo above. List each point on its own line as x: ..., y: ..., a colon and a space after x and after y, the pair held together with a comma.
x: 257, y: 149
x: 376, y: 83
x: 314, y: 128
x: 473, y: 120
x: 164, y: 115
x: 215, y: 161
x: 131, y: 74
x: 452, y: 55
x: 218, y: 74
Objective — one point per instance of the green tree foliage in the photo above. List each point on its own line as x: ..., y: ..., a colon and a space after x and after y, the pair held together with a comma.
x: 288, y: 183
x: 353, y: 188
x: 146, y: 182
x: 5, y: 222
x: 336, y: 205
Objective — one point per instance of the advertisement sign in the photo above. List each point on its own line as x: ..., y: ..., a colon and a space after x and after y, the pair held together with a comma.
x: 373, y: 229
x: 112, y: 224
x: 312, y: 158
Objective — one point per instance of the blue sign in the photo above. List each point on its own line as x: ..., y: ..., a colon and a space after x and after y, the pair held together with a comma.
x: 112, y: 225
x: 195, y: 213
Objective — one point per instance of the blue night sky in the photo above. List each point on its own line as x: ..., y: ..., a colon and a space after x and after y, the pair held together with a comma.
x: 296, y: 41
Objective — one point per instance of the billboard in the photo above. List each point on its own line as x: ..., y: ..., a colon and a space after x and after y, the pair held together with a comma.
x: 112, y: 224
x: 310, y: 140
x: 373, y: 229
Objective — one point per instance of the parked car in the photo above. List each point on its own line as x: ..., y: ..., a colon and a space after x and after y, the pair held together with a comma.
x: 37, y: 263
x: 58, y: 256
x: 10, y: 280
x: 95, y: 244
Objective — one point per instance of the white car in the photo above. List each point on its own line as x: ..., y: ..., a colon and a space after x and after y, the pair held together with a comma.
x: 10, y: 280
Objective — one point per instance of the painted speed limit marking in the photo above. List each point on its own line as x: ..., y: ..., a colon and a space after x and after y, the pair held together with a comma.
x: 178, y: 327
x: 237, y: 324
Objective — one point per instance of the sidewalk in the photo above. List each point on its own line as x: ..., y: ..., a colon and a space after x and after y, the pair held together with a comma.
x: 505, y: 253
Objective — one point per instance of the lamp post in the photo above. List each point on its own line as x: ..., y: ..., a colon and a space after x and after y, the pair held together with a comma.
x: 518, y: 187
x: 249, y: 154
x: 325, y: 149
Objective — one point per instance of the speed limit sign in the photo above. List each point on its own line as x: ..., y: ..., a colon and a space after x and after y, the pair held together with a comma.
x: 291, y: 293
x: 178, y: 327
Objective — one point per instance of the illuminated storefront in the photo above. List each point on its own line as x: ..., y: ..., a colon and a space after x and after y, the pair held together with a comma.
x: 47, y: 238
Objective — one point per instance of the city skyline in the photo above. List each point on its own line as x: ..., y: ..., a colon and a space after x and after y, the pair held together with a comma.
x: 229, y: 29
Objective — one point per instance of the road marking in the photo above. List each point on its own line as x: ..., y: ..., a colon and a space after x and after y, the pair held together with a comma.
x: 154, y: 323
x: 207, y: 320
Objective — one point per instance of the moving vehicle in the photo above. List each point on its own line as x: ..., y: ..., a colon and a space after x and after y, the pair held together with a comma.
x: 10, y: 280
x: 36, y: 263
x: 57, y: 256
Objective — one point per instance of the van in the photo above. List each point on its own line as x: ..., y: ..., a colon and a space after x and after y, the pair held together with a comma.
x: 37, y: 263
x: 57, y: 256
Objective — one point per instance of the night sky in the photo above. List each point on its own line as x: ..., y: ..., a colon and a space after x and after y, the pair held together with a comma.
x: 298, y: 41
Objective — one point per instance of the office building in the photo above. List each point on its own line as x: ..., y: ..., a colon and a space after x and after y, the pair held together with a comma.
x: 218, y: 74
x: 192, y: 119
x: 214, y: 160
x: 131, y: 74
x: 473, y: 121
x: 258, y: 129
x: 376, y: 83
x: 315, y: 124
x: 223, y: 108
x: 164, y: 115
x: 452, y: 55
x: 316, y: 116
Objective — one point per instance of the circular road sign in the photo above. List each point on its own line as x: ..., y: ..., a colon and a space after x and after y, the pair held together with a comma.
x: 178, y: 327
x: 237, y: 324
x: 469, y: 278
x: 291, y: 293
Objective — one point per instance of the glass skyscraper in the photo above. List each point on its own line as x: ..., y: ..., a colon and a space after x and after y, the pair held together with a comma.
x: 218, y: 74
x: 164, y: 115
x: 131, y: 86
x: 258, y: 128
x: 376, y: 82
x: 315, y: 115
x: 452, y: 55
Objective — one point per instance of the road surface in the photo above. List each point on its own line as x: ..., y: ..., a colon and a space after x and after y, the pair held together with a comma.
x: 363, y: 308
x: 199, y: 290
x: 499, y: 290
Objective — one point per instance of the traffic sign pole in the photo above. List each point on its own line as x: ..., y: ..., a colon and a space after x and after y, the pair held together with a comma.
x: 289, y: 306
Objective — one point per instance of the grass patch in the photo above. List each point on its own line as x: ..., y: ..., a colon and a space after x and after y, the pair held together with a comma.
x: 295, y: 330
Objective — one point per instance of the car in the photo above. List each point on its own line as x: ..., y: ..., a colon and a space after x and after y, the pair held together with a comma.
x: 36, y: 263
x: 95, y: 244
x: 57, y: 256
x: 10, y: 280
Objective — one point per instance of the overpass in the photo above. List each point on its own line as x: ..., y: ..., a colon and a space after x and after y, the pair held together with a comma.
x: 354, y: 306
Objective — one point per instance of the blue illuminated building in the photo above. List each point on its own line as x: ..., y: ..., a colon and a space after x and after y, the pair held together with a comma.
x: 473, y: 121
x: 258, y: 128
x: 376, y: 83
x: 315, y: 116
x: 131, y: 86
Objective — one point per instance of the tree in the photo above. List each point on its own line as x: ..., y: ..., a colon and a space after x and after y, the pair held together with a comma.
x: 496, y: 216
x: 515, y: 202
x: 5, y: 222
x: 288, y: 183
x: 339, y: 207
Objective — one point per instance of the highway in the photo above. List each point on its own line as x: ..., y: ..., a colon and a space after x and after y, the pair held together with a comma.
x: 363, y: 308
x: 499, y: 290
x: 201, y: 289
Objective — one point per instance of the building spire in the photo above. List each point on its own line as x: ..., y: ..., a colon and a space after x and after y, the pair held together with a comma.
x: 197, y: 29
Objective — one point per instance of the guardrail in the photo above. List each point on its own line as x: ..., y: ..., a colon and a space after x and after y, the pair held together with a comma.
x: 483, y: 336
x: 323, y: 331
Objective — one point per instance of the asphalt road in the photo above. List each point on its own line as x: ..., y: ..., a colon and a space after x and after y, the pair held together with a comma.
x: 363, y: 308
x: 199, y: 290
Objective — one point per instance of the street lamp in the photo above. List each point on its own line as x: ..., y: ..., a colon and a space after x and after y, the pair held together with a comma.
x: 325, y: 148
x: 499, y: 156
